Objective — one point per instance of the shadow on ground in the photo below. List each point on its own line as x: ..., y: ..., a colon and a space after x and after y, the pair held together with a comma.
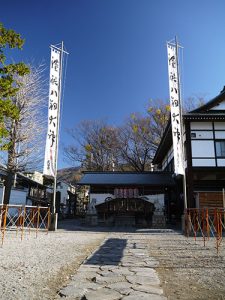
x: 110, y: 253
x: 77, y: 225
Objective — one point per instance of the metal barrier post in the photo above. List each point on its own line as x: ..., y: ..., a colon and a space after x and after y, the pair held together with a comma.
x: 49, y: 219
x: 19, y: 221
x: 4, y: 222
x: 23, y: 214
x: 1, y: 218
x: 38, y: 216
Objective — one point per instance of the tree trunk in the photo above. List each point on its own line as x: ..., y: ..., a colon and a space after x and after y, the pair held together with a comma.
x: 8, y: 187
x: 11, y: 164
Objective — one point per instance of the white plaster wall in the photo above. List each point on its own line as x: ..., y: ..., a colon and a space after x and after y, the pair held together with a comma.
x: 203, y: 162
x: 157, y: 200
x: 219, y: 125
x: 220, y: 134
x: 63, y: 188
x: 37, y: 176
x: 203, y: 149
x: 221, y: 106
x: 100, y: 198
x: 17, y: 196
x: 202, y: 134
x: 221, y: 162
x: 201, y: 125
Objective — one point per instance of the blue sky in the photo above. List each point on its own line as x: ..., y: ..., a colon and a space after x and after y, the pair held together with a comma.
x: 118, y: 59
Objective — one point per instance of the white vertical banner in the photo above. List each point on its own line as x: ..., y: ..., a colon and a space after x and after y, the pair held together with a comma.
x: 53, y: 114
x: 175, y: 107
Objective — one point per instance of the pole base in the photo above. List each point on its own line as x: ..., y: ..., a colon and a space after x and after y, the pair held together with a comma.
x: 54, y: 222
x: 183, y: 223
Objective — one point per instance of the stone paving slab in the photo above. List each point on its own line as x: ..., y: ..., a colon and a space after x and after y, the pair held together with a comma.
x: 103, y: 294
x: 143, y: 296
x: 119, y: 269
x: 147, y: 288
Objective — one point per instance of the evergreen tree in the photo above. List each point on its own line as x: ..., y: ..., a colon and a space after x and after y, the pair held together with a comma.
x: 9, y: 86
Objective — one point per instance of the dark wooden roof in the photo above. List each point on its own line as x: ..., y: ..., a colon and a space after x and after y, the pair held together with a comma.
x: 212, y: 103
x: 128, y: 178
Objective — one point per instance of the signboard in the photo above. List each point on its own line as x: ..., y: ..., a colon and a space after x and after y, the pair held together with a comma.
x: 175, y: 105
x: 53, y: 114
x: 126, y: 193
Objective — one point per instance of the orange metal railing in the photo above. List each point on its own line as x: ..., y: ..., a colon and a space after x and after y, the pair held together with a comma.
x: 21, y: 219
x: 206, y: 223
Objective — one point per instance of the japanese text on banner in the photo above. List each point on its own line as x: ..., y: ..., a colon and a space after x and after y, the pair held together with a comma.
x: 175, y: 105
x: 53, y: 111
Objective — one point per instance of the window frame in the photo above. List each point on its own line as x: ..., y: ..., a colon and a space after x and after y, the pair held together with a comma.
x: 216, y: 149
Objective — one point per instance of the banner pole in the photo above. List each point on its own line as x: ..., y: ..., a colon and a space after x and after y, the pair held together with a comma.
x: 57, y: 130
x: 181, y: 127
x: 52, y: 141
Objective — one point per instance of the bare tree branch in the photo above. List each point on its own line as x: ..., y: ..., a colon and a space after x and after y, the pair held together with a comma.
x: 93, y: 146
x: 27, y: 133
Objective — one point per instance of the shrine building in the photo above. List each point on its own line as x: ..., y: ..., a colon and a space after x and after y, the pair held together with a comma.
x: 143, y: 199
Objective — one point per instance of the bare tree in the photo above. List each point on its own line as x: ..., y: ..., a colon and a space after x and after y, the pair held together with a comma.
x: 193, y: 102
x: 26, y: 134
x: 141, y: 135
x: 94, y: 146
x: 97, y: 146
x: 136, y: 145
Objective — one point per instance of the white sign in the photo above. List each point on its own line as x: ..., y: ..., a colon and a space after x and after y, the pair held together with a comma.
x: 53, y: 114
x: 175, y: 107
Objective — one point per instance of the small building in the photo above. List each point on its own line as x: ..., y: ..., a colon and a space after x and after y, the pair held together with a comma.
x: 25, y: 190
x: 130, y: 198
x: 35, y: 175
x: 67, y: 198
x: 37, y: 193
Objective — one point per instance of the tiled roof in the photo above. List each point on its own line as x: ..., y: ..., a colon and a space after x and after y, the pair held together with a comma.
x: 127, y: 178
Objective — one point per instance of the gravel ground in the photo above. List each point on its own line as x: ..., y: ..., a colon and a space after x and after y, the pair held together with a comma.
x: 36, y: 268
x: 188, y: 270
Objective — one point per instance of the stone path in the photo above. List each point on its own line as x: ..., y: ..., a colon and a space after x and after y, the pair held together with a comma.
x: 119, y: 269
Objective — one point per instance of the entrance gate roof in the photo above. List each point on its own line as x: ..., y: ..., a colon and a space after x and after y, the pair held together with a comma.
x: 162, y: 179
